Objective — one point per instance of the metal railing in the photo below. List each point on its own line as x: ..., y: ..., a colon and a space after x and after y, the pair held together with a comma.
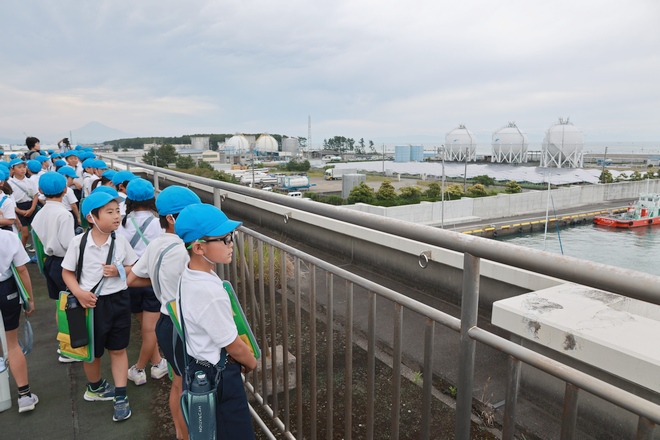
x: 319, y: 325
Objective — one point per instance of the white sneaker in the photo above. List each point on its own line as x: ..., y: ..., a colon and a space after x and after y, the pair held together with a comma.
x: 66, y: 359
x: 27, y: 403
x: 159, y: 370
x: 137, y: 376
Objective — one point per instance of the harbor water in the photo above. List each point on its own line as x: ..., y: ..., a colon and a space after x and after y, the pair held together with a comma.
x: 636, y: 249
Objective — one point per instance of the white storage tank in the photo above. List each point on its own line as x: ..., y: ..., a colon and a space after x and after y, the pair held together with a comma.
x: 290, y: 144
x: 461, y: 144
x: 266, y: 144
x: 562, y: 146
x: 510, y: 145
x: 402, y: 153
x: 237, y: 143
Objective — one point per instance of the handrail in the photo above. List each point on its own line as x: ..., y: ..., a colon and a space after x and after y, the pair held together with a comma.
x: 626, y: 282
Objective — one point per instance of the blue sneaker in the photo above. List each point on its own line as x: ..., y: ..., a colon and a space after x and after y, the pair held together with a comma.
x: 104, y: 392
x: 122, y: 409
x: 33, y: 259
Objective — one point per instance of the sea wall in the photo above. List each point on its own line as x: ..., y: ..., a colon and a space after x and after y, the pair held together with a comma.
x: 509, y: 205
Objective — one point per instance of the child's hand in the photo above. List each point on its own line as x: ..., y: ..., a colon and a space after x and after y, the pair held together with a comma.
x: 110, y: 270
x: 31, y: 307
x: 87, y: 299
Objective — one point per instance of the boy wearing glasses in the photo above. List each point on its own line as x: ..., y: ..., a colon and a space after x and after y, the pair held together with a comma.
x: 207, y: 314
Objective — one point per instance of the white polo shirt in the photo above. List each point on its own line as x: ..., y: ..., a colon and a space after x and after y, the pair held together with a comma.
x: 152, y: 231
x: 12, y: 252
x: 53, y: 225
x: 23, y: 190
x: 171, y: 267
x: 8, y: 205
x: 94, y: 259
x: 208, y: 315
x: 68, y: 199
x: 88, y: 179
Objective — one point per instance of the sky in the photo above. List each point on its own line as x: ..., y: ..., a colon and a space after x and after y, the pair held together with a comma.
x: 372, y: 69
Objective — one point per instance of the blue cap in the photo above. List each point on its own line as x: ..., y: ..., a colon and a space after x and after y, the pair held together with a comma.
x: 139, y: 190
x: 2, y: 152
x: 50, y: 151
x: 202, y: 220
x: 4, y: 174
x: 59, y: 163
x: 42, y: 159
x: 174, y: 198
x: 88, y: 149
x: 97, y: 200
x: 106, y: 189
x: 100, y: 165
x: 42, y: 153
x: 67, y: 171
x: 13, y: 156
x: 55, y: 155
x: 14, y: 162
x: 122, y: 176
x: 70, y: 153
x: 52, y: 183
x: 108, y: 174
x: 79, y: 147
x: 34, y: 166
x: 4, y: 164
x: 89, y: 163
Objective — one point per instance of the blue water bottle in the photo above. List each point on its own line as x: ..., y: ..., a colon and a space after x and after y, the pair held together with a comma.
x: 201, y: 408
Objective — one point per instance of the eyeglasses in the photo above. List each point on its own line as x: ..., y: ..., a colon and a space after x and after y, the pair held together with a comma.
x: 227, y: 239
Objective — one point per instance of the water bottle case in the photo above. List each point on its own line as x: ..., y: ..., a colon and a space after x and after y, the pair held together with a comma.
x: 198, y: 405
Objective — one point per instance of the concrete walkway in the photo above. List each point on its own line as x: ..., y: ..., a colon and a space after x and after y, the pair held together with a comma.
x: 61, y: 412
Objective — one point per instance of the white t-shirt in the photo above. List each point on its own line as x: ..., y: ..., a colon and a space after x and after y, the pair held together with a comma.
x: 12, y: 252
x: 68, y: 199
x: 208, y: 315
x: 94, y: 259
x: 23, y: 190
x: 88, y: 179
x: 152, y: 231
x: 53, y: 225
x: 8, y: 206
x: 171, y: 267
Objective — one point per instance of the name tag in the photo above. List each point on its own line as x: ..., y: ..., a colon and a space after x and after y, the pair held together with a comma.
x: 121, y: 270
x: 12, y: 296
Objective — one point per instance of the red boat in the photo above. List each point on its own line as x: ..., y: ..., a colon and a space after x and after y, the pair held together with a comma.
x: 646, y: 212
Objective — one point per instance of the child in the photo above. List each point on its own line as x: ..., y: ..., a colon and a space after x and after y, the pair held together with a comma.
x: 160, y: 266
x: 54, y: 226
x: 112, y: 316
x: 7, y: 204
x: 120, y: 181
x: 10, y: 306
x: 34, y: 171
x: 70, y: 200
x: 139, y: 228
x: 71, y: 158
x: 89, y: 176
x: 207, y: 314
x: 26, y: 195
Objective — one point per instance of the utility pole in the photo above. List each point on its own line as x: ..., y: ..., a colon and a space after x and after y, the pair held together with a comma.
x: 383, y: 159
x: 465, y: 173
x: 602, y: 177
x: 442, y: 216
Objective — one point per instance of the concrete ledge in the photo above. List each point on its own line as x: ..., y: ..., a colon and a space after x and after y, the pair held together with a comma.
x: 608, y: 331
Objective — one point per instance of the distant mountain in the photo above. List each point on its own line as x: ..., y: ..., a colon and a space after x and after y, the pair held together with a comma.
x: 95, y: 132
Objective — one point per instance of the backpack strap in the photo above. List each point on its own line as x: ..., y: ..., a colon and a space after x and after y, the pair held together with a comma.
x: 160, y: 260
x: 139, y: 231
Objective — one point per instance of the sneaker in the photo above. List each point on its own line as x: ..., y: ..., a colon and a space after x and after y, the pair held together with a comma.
x: 159, y: 370
x: 66, y: 359
x: 137, y: 376
x: 27, y: 403
x: 104, y: 392
x: 29, y: 248
x: 33, y: 259
x: 122, y: 409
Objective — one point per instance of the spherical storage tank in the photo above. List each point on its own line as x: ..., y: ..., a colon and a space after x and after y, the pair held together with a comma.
x: 266, y: 144
x: 461, y: 142
x: 510, y: 144
x: 236, y: 143
x: 562, y: 145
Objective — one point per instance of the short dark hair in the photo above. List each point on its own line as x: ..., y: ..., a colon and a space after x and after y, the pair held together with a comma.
x: 53, y: 196
x: 162, y: 219
x: 31, y: 141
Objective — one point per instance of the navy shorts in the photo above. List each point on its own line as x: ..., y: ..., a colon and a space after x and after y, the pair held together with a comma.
x: 173, y: 351
x: 143, y: 299
x: 24, y: 206
x: 53, y: 275
x: 232, y: 414
x: 10, y: 304
x: 112, y: 322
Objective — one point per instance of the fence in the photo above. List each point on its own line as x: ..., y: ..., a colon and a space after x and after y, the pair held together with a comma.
x: 319, y: 327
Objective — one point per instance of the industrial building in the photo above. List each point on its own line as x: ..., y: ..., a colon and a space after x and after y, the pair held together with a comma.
x: 510, y: 145
x: 461, y: 145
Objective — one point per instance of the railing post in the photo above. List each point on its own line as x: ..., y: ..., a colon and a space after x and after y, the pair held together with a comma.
x: 513, y: 385
x: 217, y: 198
x: 569, y: 416
x: 156, y: 184
x: 469, y: 306
x: 645, y: 429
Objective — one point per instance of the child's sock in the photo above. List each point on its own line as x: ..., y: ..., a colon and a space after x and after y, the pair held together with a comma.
x: 120, y: 391
x: 96, y: 385
x: 24, y: 391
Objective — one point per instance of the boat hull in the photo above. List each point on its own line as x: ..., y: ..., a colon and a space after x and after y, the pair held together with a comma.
x: 614, y: 222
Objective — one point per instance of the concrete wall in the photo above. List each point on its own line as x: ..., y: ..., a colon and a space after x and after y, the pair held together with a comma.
x: 506, y: 205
